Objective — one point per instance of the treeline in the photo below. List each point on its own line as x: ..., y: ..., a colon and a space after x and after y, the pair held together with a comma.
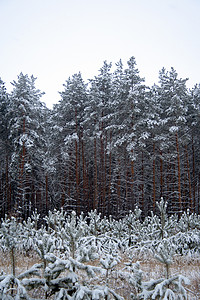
x: 110, y: 144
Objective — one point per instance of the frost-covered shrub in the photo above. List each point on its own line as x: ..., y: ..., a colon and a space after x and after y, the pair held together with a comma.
x: 187, y: 243
x: 11, y: 238
x: 164, y: 289
x: 164, y: 253
x: 133, y: 227
x: 169, y: 287
x: 87, y: 253
x: 133, y: 275
x: 109, y: 261
x: 66, y: 244
x: 30, y: 231
x: 97, y: 225
x: 11, y: 288
x: 159, y: 289
x: 67, y: 230
x: 70, y: 285
x: 188, y: 221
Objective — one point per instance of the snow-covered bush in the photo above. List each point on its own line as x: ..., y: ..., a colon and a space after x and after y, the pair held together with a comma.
x: 66, y: 244
x: 168, y: 287
x: 164, y: 289
x: 11, y: 238
x: 109, y: 261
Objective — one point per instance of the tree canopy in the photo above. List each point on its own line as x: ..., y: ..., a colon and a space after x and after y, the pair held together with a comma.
x: 111, y: 144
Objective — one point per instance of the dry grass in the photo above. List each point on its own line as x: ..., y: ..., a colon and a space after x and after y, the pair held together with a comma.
x: 152, y: 269
x: 23, y: 261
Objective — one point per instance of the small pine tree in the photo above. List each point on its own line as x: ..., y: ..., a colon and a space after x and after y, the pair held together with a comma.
x: 169, y: 287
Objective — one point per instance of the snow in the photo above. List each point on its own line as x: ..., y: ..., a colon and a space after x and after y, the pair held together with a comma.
x: 157, y: 235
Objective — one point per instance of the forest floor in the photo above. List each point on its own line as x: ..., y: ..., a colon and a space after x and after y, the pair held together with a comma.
x: 152, y: 269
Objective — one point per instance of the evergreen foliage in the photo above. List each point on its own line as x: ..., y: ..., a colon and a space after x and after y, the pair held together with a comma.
x: 65, y: 269
x: 111, y: 145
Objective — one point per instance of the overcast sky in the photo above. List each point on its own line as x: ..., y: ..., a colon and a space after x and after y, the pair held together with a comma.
x: 53, y: 39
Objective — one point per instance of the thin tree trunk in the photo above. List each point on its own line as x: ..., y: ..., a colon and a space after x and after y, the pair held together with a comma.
x: 13, y: 266
x: 179, y: 174
x: 21, y: 171
x: 154, y: 179
x: 102, y: 176
x: 193, y: 174
x: 77, y: 179
x: 168, y: 182
x: 198, y: 197
x: 189, y: 180
x: 161, y: 175
x: 142, y: 185
x: 118, y: 188
x: 132, y: 182
x: 95, y: 204
x: 84, y: 170
x: 46, y: 194
x: 77, y: 168
x: 12, y: 256
x: 8, y: 194
x: 69, y: 175
x: 105, y: 175
x: 109, y: 172
x: 174, y: 188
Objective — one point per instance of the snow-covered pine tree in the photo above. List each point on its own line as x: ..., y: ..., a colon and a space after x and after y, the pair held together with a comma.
x: 125, y: 113
x: 173, y: 95
x: 133, y: 274
x: 134, y: 227
x: 68, y: 116
x: 9, y: 232
x: 63, y: 278
x: 109, y: 261
x: 26, y: 136
x: 194, y: 123
x: 11, y: 240
x: 5, y: 195
x: 101, y: 97
x: 167, y: 223
x: 170, y: 286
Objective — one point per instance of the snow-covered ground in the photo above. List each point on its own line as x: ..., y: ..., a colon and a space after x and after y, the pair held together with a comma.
x: 151, y: 268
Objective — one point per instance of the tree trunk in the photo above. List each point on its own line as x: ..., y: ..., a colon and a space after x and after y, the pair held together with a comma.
x: 161, y: 175
x: 142, y: 184
x: 95, y: 203
x: 132, y: 182
x: 46, y: 194
x: 154, y: 179
x: 118, y: 188
x: 109, y: 173
x: 179, y: 174
x: 12, y: 256
x: 77, y: 179
x: 193, y: 174
x: 102, y: 168
x: 21, y: 172
x: 189, y: 180
x: 77, y: 171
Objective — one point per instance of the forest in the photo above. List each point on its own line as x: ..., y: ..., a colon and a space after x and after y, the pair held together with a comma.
x: 110, y: 144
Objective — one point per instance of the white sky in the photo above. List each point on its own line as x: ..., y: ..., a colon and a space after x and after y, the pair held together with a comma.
x: 53, y: 39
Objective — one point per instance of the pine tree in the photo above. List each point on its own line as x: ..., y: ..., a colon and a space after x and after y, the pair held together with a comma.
x: 194, y: 122
x: 25, y: 116
x: 5, y: 185
x: 71, y: 165
x: 173, y: 95
x: 100, y: 94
